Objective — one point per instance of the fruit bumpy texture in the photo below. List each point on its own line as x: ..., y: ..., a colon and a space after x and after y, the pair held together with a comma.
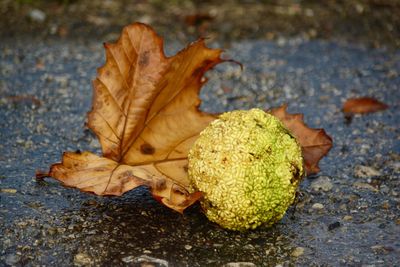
x: 248, y: 167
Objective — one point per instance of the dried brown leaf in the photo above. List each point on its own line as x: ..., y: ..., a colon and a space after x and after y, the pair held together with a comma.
x: 363, y: 105
x: 26, y: 99
x: 315, y: 143
x: 145, y: 115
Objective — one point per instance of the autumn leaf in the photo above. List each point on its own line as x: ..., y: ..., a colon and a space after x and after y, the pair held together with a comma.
x: 363, y: 105
x: 315, y: 143
x: 146, y: 117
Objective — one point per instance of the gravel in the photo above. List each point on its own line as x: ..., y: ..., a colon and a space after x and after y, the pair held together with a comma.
x: 45, y: 92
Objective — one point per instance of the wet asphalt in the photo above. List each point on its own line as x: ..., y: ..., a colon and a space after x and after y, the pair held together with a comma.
x: 347, y: 215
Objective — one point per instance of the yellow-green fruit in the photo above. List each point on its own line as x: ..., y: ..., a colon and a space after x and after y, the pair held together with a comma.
x: 248, y: 166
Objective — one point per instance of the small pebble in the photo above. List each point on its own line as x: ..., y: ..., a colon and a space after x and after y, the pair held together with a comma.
x: 146, y: 260
x: 188, y: 247
x: 9, y: 190
x: 128, y: 259
x: 82, y: 259
x: 347, y: 218
x: 318, y: 206
x: 322, y: 183
x: 361, y: 171
x: 239, y: 264
x: 37, y: 15
x: 360, y: 185
x: 297, y: 252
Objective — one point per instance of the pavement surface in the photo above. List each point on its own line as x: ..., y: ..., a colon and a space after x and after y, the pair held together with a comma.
x: 347, y: 215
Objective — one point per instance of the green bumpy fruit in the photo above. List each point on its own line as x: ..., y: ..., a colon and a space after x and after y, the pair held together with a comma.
x: 248, y: 166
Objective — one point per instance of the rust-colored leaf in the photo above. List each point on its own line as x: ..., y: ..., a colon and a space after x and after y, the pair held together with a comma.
x: 197, y: 19
x: 26, y: 99
x: 315, y: 143
x: 145, y: 115
x: 363, y: 105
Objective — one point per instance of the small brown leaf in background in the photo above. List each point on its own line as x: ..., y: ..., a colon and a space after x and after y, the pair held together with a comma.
x: 200, y: 22
x: 363, y: 105
x: 315, y: 143
x: 25, y: 99
x: 197, y: 19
